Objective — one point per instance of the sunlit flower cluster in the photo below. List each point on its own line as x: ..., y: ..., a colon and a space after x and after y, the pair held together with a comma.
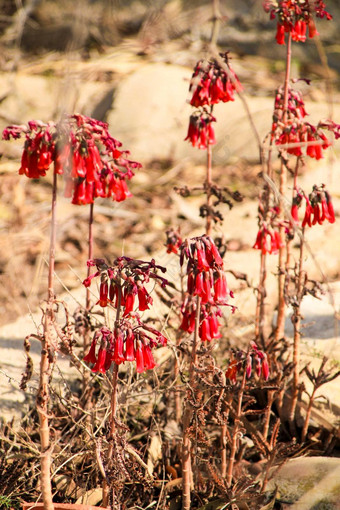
x: 294, y: 133
x: 295, y: 17
x: 213, y: 81
x: 319, y: 207
x: 268, y: 240
x: 200, y: 131
x: 123, y: 283
x: 129, y: 341
x: 205, y: 278
x: 81, y: 149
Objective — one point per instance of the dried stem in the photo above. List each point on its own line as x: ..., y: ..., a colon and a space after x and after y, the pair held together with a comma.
x: 187, y: 415
x: 261, y: 294
x: 113, y: 414
x: 224, y: 437
x: 308, y: 414
x: 296, y: 347
x: 283, y: 183
x: 43, y: 391
x: 235, y: 431
x: 178, y: 400
x: 270, y: 400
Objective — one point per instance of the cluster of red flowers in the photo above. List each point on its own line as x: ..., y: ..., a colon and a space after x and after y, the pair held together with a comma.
x: 213, y: 81
x: 173, y: 241
x: 206, y: 279
x: 319, y: 207
x: 209, y: 325
x: 295, y: 132
x: 245, y: 360
x: 200, y: 131
x: 295, y: 16
x: 125, y: 280
x: 128, y: 342
x: 82, y: 149
x: 268, y: 240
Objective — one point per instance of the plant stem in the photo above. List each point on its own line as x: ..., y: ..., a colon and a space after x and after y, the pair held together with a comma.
x: 261, y: 294
x: 113, y: 405
x: 234, y: 435
x: 279, y: 333
x: 43, y: 391
x: 216, y: 22
x: 89, y: 257
x: 187, y: 415
x: 208, y: 188
x: 270, y: 400
x: 308, y: 413
x: 224, y: 437
x: 296, y: 347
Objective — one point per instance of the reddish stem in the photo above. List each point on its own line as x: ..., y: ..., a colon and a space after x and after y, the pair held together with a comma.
x: 279, y: 333
x: 208, y: 187
x: 308, y: 414
x: 43, y: 391
x: 297, y: 336
x: 89, y: 257
x: 224, y: 437
x: 261, y: 294
x: 114, y: 382
x: 187, y: 415
x: 235, y: 435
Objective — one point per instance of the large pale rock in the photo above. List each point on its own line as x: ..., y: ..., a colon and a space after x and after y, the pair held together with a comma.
x: 309, y: 483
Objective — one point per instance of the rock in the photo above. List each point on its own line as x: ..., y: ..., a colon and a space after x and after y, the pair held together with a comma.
x: 150, y: 114
x: 309, y: 483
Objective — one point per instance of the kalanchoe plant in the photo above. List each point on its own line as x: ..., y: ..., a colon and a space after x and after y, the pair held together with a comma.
x: 295, y: 138
x: 295, y: 16
x: 93, y: 165
x: 213, y: 81
x: 131, y: 339
x: 207, y: 290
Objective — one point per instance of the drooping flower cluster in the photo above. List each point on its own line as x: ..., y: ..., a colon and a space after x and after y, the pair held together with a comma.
x: 200, y: 131
x: 213, y: 81
x: 245, y: 361
x: 296, y: 134
x: 124, y: 281
x: 129, y: 341
x: 268, y: 240
x: 81, y: 149
x: 295, y: 16
x: 205, y: 278
x: 173, y: 240
x: 319, y: 207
